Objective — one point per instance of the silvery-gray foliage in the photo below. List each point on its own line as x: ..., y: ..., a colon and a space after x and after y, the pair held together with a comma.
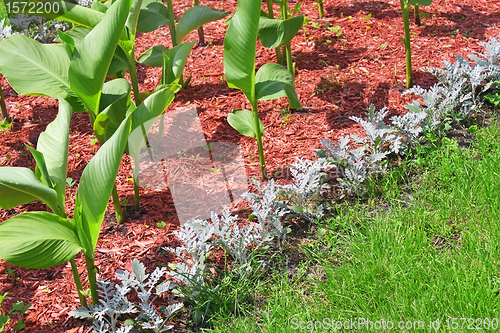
x: 233, y: 239
x: 355, y: 163
x: 114, y: 302
x: 491, y: 56
x: 195, y: 236
x: 306, y: 187
x: 268, y: 210
x: 408, y: 128
x: 458, y: 90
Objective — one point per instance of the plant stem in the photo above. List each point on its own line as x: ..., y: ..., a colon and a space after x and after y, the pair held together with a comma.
x: 171, y: 23
x: 406, y: 21
x: 416, y: 15
x: 133, y: 78
x: 201, y: 35
x: 5, y: 115
x: 78, y: 283
x: 279, y: 58
x: 288, y: 48
x: 256, y: 123
x: 321, y: 10
x: 92, y: 271
x: 120, y: 213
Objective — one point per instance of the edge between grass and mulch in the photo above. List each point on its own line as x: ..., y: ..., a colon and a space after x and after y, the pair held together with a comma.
x: 421, y: 247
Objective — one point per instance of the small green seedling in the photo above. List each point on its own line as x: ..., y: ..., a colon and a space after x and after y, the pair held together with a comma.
x: 161, y: 225
x: 19, y: 308
x: 4, y: 320
x: 70, y: 182
x: 12, y: 274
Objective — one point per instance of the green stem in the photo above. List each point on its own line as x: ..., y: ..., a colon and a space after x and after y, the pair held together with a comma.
x: 406, y: 21
x: 133, y: 78
x: 289, y: 61
x: 78, y: 283
x: 255, y: 111
x: 416, y: 15
x: 171, y: 23
x: 271, y: 16
x: 120, y: 213
x: 321, y: 10
x: 5, y: 115
x: 201, y: 34
x: 92, y: 271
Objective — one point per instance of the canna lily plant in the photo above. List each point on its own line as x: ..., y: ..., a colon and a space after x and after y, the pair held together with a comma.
x: 194, y: 18
x: 275, y: 33
x: 55, y: 238
x: 270, y: 82
x: 101, y: 44
x: 405, y: 7
x: 41, y: 239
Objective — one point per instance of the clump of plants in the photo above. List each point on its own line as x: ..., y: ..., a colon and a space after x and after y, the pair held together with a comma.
x: 271, y: 80
x: 114, y: 304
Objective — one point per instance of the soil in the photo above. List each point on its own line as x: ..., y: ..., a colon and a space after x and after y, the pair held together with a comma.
x: 339, y: 74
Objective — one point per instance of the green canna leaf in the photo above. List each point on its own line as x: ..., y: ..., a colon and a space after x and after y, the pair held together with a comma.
x: 274, y: 33
x: 194, y: 18
x: 91, y: 60
x: 243, y: 122
x: 240, y: 46
x: 38, y: 240
x: 273, y: 81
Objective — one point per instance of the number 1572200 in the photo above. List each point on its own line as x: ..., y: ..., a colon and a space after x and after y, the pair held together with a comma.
x: 30, y: 7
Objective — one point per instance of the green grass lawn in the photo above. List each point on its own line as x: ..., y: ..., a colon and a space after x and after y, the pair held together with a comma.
x: 430, y: 253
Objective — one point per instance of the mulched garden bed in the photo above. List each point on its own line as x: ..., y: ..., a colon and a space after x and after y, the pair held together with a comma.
x: 339, y: 74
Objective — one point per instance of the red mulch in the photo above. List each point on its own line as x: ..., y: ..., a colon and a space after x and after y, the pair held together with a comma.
x: 363, y: 58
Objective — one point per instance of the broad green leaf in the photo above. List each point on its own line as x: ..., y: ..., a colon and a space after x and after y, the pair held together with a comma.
x: 91, y: 60
x: 33, y: 68
x: 53, y: 143
x: 67, y: 40
x: 240, y: 45
x: 119, y: 62
x: 177, y: 57
x: 153, y: 57
x: 194, y: 18
x: 41, y: 168
x: 20, y: 185
x: 38, y: 240
x: 420, y: 2
x: 243, y: 122
x: 153, y: 14
x: 69, y: 11
x: 114, y: 91
x: 273, y: 81
x: 128, y: 43
x: 274, y: 33
x: 154, y: 105
x: 99, y: 6
x: 96, y: 184
x: 78, y: 34
x: 115, y: 95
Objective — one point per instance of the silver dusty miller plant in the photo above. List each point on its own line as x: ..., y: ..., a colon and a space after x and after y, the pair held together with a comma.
x: 357, y: 162
x: 114, y: 302
x: 200, y: 237
x: 307, y: 186
x: 460, y: 88
x: 269, y: 211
